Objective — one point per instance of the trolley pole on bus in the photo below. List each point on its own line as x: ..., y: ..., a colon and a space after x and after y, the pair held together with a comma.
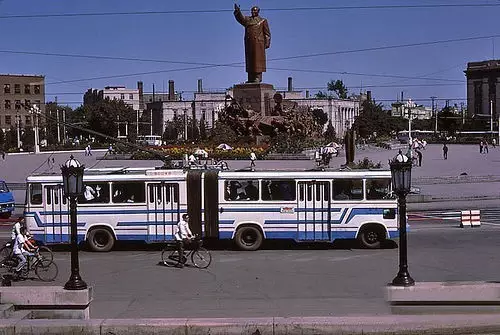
x: 401, y: 184
x: 72, y: 173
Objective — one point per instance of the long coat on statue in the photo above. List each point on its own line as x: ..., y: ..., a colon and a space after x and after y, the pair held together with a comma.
x: 257, y: 40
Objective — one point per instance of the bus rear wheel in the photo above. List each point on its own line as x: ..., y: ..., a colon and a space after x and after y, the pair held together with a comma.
x: 248, y: 238
x: 371, y: 236
x: 100, y: 239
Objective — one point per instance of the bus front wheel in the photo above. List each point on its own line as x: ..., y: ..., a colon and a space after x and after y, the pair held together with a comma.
x: 371, y: 236
x: 249, y: 238
x: 101, y: 239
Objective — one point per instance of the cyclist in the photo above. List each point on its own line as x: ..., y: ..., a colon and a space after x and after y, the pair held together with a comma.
x: 183, y: 236
x: 22, y: 248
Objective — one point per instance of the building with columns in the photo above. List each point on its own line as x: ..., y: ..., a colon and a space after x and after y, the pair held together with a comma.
x: 206, y: 106
x: 483, y: 88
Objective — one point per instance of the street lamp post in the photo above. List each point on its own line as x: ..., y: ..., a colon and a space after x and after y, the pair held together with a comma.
x: 35, y: 111
x: 72, y: 173
x: 401, y: 184
x: 18, y: 126
x: 409, y: 105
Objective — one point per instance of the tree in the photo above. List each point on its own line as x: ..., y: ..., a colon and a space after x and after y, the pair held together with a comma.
x: 222, y: 133
x: 53, y: 111
x: 320, y: 117
x: 373, y: 119
x: 330, y: 134
x: 203, y: 129
x: 11, y: 138
x: 338, y: 87
x: 104, y: 115
x: 447, y: 120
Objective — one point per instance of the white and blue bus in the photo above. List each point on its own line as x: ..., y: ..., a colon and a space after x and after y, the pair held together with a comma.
x: 247, y: 207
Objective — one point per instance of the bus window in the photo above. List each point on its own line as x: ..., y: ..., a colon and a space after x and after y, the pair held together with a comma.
x: 94, y: 192
x: 347, y: 189
x: 241, y: 190
x: 377, y: 189
x: 278, y: 189
x: 124, y: 192
x: 36, y: 194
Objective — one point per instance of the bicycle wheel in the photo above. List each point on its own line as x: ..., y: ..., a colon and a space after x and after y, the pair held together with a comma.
x: 46, y: 270
x: 201, y: 258
x: 5, y: 254
x: 46, y: 253
x: 169, y: 257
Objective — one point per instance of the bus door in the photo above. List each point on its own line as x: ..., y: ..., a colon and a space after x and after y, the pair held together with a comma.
x: 163, y: 211
x: 55, y: 215
x: 313, y: 211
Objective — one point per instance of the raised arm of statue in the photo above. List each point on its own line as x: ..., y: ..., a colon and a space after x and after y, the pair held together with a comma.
x: 238, y: 15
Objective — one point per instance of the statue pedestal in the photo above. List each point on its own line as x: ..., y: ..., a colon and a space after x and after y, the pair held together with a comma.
x: 255, y: 96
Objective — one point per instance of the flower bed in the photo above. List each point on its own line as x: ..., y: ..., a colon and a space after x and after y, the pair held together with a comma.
x: 178, y: 152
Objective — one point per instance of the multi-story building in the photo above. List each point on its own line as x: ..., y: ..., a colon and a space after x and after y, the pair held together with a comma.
x: 483, y: 88
x: 18, y: 94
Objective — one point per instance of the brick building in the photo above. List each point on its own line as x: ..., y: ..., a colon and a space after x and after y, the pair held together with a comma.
x: 17, y: 94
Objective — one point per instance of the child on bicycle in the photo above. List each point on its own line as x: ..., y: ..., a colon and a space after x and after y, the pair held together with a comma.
x: 183, y: 236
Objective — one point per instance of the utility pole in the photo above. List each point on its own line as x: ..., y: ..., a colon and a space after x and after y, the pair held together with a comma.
x: 491, y: 117
x: 18, y: 124
x: 57, y: 123
x: 137, y: 124
x: 151, y: 122
x: 64, y: 125
x: 35, y: 112
x: 434, y: 112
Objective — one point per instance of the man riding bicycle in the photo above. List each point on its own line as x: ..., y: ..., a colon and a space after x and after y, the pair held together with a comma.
x: 22, y: 248
x: 183, y: 236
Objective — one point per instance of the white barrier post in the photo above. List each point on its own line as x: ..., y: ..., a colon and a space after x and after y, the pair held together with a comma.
x: 465, y: 219
x: 475, y: 218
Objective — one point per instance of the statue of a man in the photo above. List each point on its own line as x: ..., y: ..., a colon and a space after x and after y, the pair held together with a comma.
x: 257, y: 40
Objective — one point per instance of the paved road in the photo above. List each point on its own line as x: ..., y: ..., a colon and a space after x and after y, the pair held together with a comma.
x: 283, y: 280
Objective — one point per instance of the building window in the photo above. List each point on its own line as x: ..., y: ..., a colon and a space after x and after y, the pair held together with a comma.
x: 37, y: 89
x: 26, y: 89
x: 7, y: 104
x: 8, y: 120
x: 27, y: 103
x: 131, y: 96
x: 18, y: 104
x: 38, y: 103
x: 122, y: 96
x: 6, y: 88
x: 27, y: 119
x: 17, y: 88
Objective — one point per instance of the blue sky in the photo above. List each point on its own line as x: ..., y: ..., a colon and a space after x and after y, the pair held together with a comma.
x: 216, y: 38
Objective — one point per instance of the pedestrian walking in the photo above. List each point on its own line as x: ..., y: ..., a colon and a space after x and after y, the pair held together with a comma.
x: 253, y: 158
x: 3, y: 155
x: 419, y: 156
x: 494, y: 142
x: 445, y: 151
x: 485, y: 147
x: 89, y: 150
x: 481, y: 147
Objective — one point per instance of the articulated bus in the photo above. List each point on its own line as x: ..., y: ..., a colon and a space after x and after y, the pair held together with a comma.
x: 248, y: 207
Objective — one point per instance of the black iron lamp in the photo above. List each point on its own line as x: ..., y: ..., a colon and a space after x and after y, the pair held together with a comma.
x: 72, y: 173
x: 401, y: 185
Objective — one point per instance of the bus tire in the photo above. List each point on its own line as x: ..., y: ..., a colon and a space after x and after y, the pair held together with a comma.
x: 371, y: 236
x: 248, y: 238
x: 101, y: 240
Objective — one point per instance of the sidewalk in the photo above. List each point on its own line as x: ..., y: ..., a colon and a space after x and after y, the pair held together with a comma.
x: 394, y: 325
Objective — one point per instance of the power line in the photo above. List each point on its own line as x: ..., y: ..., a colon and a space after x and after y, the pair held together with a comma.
x: 216, y: 11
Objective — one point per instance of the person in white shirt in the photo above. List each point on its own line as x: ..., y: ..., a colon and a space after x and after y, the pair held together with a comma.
x: 22, y: 248
x: 16, y: 229
x: 192, y: 159
x: 253, y: 157
x: 183, y: 236
x: 89, y: 193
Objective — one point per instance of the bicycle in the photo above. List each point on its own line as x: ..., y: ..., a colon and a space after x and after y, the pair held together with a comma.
x: 6, y: 251
x: 200, y: 257
x: 45, y: 269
